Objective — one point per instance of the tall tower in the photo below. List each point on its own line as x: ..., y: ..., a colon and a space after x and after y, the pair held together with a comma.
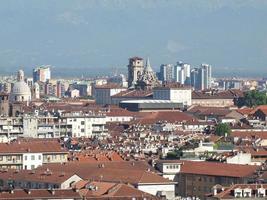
x: 203, y: 77
x: 167, y: 72
x: 135, y: 70
x: 148, y: 78
x: 36, y: 91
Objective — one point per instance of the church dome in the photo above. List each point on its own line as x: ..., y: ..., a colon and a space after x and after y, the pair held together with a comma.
x: 20, y: 90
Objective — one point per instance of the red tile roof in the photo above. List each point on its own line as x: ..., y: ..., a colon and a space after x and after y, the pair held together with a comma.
x: 215, y: 168
x: 125, y: 172
x: 169, y: 116
x: 32, y: 146
x: 20, y: 194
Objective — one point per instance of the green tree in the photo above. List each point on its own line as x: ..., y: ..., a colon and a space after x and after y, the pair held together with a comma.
x: 253, y: 98
x: 223, y: 129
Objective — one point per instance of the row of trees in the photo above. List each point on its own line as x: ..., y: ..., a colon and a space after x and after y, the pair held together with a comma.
x: 253, y: 98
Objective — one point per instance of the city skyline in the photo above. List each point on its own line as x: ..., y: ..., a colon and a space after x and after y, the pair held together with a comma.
x: 75, y: 38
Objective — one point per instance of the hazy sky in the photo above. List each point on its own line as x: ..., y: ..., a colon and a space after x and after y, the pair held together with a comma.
x: 83, y: 36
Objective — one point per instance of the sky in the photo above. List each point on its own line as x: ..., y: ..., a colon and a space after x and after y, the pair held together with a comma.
x: 96, y: 37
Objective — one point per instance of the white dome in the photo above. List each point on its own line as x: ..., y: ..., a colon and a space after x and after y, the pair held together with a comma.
x: 21, y: 88
x: 20, y: 92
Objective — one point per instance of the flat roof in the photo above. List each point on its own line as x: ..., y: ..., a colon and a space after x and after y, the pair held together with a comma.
x: 147, y: 101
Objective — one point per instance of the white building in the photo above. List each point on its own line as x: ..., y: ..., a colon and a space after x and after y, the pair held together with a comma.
x: 182, y: 73
x: 173, y: 93
x: 87, y: 126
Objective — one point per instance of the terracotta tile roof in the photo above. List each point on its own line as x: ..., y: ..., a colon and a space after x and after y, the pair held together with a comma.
x: 228, y: 94
x: 198, y: 110
x: 20, y: 194
x: 32, y: 146
x: 40, y: 176
x: 111, y: 172
x: 94, y: 156
x: 111, y: 190
x: 254, y: 151
x: 119, y: 112
x: 250, y: 134
x: 215, y: 168
x: 169, y: 116
x: 262, y: 108
x: 245, y: 111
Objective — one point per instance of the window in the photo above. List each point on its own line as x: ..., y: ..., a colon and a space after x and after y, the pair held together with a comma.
x: 9, y: 158
x: 39, y: 157
x: 1, y: 158
x: 32, y: 166
x: 32, y: 157
x: 82, y: 130
x: 25, y: 157
x: 82, y: 122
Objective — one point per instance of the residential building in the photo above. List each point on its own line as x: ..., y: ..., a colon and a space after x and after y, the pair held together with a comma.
x: 29, y: 154
x: 42, y: 73
x: 167, y: 72
x: 196, y: 178
x: 182, y: 73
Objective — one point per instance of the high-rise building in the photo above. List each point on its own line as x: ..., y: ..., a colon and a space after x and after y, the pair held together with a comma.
x: 135, y: 70
x: 167, y: 72
x: 182, y: 73
x: 201, y: 79
x: 42, y: 74
x: 206, y: 69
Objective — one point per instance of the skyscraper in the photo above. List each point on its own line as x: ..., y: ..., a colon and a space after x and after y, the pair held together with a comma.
x: 201, y: 77
x: 135, y: 69
x: 182, y: 73
x: 42, y: 74
x: 206, y: 76
x: 167, y: 72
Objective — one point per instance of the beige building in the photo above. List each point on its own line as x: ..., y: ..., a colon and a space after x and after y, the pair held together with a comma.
x: 29, y: 154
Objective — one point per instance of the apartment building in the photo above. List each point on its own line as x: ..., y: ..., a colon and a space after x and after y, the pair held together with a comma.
x: 29, y: 154
x: 74, y: 124
x: 196, y: 179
